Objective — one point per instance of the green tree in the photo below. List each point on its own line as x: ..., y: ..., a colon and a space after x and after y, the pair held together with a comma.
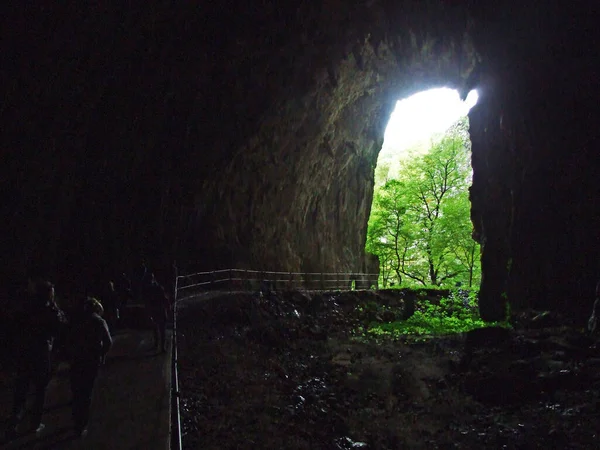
x: 420, y: 223
x: 385, y: 236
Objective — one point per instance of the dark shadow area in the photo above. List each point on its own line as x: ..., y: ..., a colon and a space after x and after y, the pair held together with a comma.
x: 303, y: 371
x: 130, y: 408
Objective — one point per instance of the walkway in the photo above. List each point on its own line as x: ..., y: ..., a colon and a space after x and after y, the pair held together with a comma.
x: 131, y: 403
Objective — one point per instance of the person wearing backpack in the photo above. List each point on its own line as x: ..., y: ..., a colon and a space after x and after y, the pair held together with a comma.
x: 90, y: 342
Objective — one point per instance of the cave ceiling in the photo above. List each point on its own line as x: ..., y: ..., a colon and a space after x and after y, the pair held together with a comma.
x: 246, y: 136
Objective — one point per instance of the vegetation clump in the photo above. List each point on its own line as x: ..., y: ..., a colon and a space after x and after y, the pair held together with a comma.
x: 457, y: 313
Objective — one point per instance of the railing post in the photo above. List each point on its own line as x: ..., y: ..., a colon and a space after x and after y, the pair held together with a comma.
x: 322, y: 282
x: 175, y: 413
x: 175, y: 286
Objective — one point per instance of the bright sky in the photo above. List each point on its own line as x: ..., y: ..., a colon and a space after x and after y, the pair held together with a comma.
x: 417, y: 118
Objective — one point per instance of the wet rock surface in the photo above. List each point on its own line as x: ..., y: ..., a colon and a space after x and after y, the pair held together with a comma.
x: 292, y: 370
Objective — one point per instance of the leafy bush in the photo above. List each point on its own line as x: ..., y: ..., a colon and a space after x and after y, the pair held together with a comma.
x: 457, y: 313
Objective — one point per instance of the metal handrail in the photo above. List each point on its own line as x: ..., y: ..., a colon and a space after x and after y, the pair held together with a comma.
x: 323, y: 280
x: 272, y: 272
x: 176, y: 443
x: 292, y: 279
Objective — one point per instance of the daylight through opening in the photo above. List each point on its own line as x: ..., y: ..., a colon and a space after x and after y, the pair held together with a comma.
x: 420, y: 226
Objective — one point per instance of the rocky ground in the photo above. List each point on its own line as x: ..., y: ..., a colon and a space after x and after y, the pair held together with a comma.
x: 294, y: 371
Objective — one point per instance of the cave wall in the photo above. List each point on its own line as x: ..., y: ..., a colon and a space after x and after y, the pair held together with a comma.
x: 247, y: 136
x: 309, y: 167
x: 534, y: 194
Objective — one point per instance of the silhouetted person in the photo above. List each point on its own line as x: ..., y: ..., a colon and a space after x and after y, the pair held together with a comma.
x: 593, y: 320
x: 157, y: 306
x: 123, y: 289
x: 90, y: 342
x: 39, y: 324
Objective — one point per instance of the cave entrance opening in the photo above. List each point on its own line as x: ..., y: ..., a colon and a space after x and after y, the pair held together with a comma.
x: 420, y: 227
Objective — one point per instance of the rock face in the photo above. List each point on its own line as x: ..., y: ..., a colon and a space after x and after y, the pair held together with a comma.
x: 308, y: 166
x: 534, y: 194
x: 248, y: 137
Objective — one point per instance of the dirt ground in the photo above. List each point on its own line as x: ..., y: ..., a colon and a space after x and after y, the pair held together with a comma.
x: 292, y: 370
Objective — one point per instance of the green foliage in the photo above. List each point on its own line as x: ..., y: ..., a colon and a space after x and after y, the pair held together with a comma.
x: 456, y: 314
x: 507, y: 311
x: 420, y: 225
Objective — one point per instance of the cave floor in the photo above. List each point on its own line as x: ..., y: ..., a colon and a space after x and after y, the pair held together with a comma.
x: 288, y: 371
